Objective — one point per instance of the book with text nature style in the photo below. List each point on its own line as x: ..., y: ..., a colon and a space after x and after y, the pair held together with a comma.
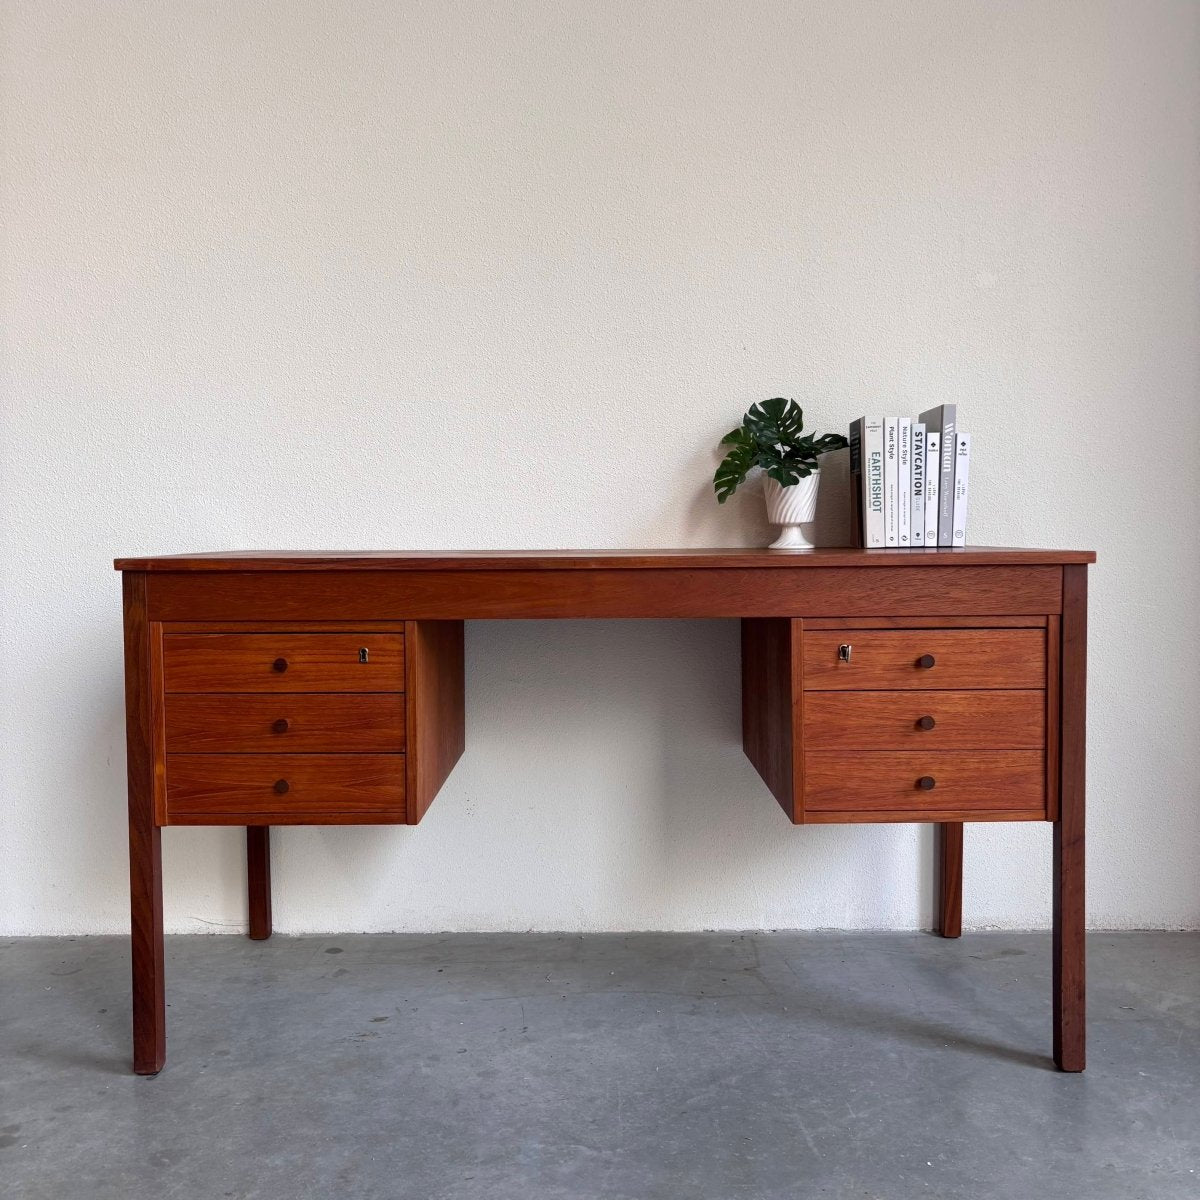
x: 904, y: 480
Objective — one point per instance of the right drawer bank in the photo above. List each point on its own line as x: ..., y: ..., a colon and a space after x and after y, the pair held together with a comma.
x: 923, y: 723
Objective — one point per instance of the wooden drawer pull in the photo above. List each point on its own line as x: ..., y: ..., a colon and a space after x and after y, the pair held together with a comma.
x: 926, y: 722
x: 926, y: 661
x: 927, y: 783
x: 281, y: 787
x: 281, y: 726
x: 280, y: 665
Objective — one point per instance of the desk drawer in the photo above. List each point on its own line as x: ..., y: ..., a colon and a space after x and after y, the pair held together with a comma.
x: 285, y: 786
x: 925, y: 720
x: 285, y: 724
x: 925, y: 658
x: 283, y: 662
x: 890, y: 782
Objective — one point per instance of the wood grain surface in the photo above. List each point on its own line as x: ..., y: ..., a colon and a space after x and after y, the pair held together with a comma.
x: 963, y: 659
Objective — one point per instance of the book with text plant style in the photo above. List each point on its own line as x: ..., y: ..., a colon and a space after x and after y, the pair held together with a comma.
x: 918, y: 484
x: 962, y: 463
x: 933, y: 457
x: 891, y: 478
x: 943, y: 421
x: 904, y: 481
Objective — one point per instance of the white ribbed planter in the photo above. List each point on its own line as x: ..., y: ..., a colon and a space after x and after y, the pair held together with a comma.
x: 791, y: 507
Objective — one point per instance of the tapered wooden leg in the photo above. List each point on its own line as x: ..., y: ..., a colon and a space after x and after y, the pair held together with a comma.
x: 258, y: 875
x: 947, y: 883
x: 145, y: 841
x: 1069, y: 909
x: 149, y: 992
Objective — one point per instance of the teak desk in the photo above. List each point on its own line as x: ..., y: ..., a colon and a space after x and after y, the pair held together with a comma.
x: 877, y: 685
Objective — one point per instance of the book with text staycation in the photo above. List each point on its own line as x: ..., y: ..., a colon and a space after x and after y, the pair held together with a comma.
x: 904, y: 480
x: 933, y: 455
x: 962, y: 463
x: 918, y: 484
x: 942, y: 421
x: 891, y: 473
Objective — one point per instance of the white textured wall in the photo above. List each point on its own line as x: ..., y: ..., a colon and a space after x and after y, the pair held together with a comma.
x: 498, y: 275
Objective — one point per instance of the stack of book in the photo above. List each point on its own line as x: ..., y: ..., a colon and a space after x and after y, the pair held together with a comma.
x: 909, y: 478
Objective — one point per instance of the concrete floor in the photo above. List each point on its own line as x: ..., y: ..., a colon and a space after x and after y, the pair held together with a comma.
x: 758, y: 1066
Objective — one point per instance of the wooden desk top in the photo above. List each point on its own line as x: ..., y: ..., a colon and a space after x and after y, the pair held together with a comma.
x: 584, y: 560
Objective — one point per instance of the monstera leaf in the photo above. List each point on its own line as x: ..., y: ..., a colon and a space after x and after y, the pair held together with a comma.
x: 771, y: 436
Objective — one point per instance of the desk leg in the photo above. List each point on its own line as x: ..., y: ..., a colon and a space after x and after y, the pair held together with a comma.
x: 145, y: 838
x: 947, y: 882
x: 258, y: 876
x: 1069, y: 910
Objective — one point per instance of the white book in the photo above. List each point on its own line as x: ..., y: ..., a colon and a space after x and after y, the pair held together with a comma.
x: 962, y: 463
x: 918, y: 484
x: 933, y: 455
x: 904, y: 480
x: 872, y: 475
x: 891, y: 475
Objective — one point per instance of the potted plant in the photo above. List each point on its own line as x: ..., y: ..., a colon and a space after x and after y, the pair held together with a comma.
x: 771, y: 437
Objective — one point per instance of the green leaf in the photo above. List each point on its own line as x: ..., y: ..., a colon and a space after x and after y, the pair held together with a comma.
x: 732, y: 471
x: 771, y: 436
x: 783, y: 476
x: 831, y: 441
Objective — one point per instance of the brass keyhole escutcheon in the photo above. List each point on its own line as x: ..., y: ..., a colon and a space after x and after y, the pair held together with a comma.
x: 362, y: 654
x: 844, y: 652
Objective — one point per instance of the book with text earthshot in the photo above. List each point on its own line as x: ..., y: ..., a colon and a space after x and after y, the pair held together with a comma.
x: 866, y: 467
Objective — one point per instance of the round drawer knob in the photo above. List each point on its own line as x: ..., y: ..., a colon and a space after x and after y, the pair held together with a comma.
x: 280, y: 665
x: 925, y: 722
x: 926, y: 661
x: 281, y: 787
x: 281, y: 726
x: 927, y: 783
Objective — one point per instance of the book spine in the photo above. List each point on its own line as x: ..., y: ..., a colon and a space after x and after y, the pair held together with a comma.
x: 872, y: 450
x: 891, y: 475
x: 933, y: 456
x: 962, y: 464
x: 918, y: 484
x: 904, y: 480
x: 946, y: 477
x: 857, y: 486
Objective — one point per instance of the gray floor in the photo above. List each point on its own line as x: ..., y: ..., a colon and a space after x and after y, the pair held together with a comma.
x: 760, y: 1066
